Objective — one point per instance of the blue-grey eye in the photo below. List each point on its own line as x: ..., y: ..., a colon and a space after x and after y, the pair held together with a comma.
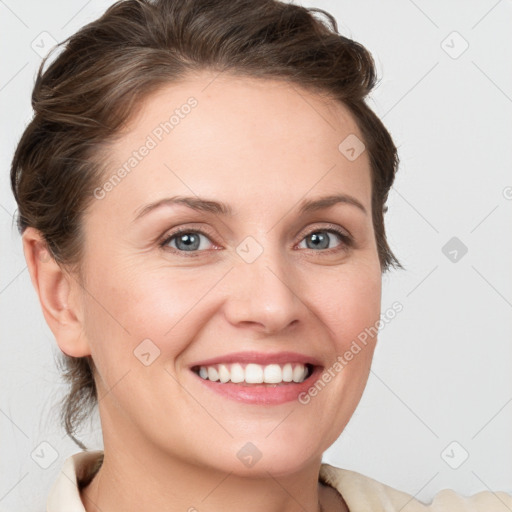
x: 186, y: 241
x: 320, y: 239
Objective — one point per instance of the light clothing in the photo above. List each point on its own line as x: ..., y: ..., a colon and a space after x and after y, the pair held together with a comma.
x: 361, y: 493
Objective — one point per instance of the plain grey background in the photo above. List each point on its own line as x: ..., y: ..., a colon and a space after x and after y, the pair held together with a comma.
x: 437, y: 410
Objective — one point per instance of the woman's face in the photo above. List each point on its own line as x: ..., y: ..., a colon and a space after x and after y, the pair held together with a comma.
x: 261, y: 283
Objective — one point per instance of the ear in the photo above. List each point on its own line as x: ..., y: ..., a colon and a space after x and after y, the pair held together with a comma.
x: 58, y: 293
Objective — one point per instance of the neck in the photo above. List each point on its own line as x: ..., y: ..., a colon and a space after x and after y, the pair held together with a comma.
x: 141, y: 478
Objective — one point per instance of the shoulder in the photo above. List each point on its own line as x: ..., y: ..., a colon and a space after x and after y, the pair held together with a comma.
x: 77, y: 470
x: 362, y: 493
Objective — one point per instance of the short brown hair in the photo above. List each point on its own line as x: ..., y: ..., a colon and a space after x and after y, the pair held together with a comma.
x: 111, y: 65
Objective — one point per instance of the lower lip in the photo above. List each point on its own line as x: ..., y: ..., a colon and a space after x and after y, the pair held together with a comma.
x: 263, y: 394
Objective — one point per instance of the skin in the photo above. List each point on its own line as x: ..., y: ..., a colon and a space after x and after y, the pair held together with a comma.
x: 262, y: 146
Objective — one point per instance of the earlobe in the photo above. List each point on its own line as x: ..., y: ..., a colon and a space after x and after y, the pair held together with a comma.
x: 58, y: 295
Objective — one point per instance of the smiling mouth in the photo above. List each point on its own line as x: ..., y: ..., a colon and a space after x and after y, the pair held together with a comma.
x: 251, y: 373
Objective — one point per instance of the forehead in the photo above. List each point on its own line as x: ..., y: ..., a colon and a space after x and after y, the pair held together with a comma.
x: 237, y: 139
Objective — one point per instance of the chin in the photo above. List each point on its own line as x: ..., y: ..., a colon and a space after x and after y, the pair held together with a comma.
x: 259, y: 455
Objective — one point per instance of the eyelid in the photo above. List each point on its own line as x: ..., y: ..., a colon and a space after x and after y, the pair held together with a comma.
x: 326, y: 226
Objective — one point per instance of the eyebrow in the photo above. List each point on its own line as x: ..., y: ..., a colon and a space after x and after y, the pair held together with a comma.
x: 218, y: 208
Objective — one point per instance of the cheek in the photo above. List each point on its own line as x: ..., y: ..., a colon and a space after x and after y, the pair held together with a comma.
x: 348, y: 302
x: 351, y: 311
x: 138, y: 304
x: 162, y: 301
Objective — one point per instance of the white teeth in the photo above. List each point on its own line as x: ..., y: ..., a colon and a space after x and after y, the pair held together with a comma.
x: 273, y: 374
x: 212, y: 373
x: 237, y: 373
x: 298, y: 374
x: 223, y: 373
x: 287, y: 373
x: 255, y: 373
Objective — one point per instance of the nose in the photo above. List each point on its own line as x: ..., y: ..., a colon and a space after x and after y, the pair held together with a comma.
x: 264, y: 295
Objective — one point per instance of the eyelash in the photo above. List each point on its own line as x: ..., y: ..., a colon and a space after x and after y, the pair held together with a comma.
x: 346, y: 240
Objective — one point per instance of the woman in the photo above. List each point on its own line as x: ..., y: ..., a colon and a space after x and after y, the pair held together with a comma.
x: 201, y: 196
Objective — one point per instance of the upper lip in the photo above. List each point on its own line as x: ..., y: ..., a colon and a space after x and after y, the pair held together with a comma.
x: 262, y: 358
